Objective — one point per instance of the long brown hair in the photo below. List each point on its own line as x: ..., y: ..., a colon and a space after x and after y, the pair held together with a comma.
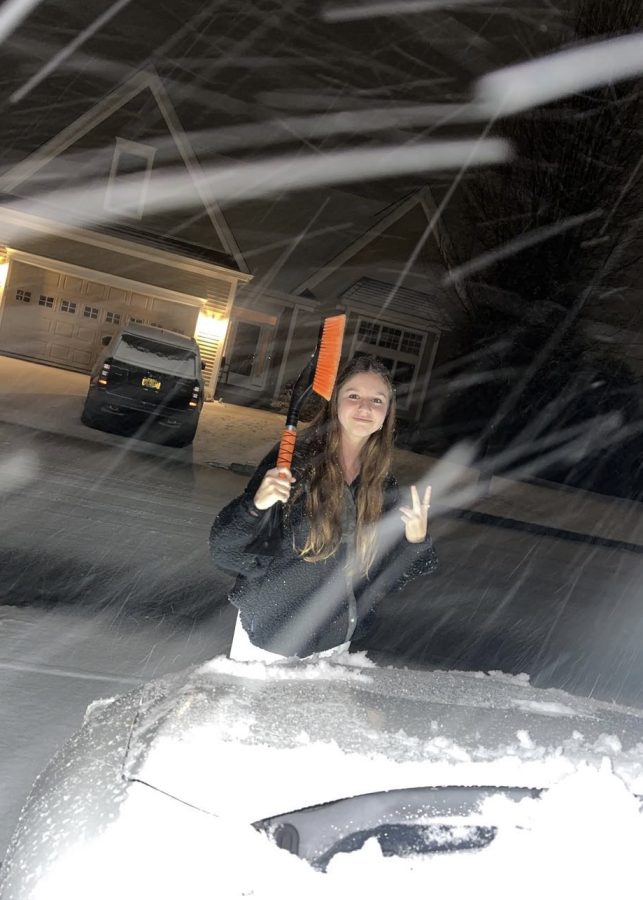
x: 325, y: 481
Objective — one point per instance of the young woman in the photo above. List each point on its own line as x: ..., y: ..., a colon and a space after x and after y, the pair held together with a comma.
x: 317, y: 547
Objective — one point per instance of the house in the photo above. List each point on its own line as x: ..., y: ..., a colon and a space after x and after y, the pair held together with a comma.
x: 94, y: 238
x: 78, y: 264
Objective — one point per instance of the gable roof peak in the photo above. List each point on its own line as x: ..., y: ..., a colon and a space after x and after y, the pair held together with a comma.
x: 139, y: 81
x: 388, y: 217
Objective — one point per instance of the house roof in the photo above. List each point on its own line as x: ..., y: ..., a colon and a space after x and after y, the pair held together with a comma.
x: 127, y: 233
x: 166, y: 242
x: 408, y: 301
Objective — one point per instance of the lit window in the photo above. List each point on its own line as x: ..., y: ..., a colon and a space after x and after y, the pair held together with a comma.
x: 90, y: 312
x: 23, y: 296
x: 68, y: 306
x: 113, y: 318
x: 46, y: 301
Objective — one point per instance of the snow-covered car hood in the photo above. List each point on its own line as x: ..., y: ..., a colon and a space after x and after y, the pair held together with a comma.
x: 275, y: 729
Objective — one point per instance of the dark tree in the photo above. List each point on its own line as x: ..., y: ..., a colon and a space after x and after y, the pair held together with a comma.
x: 535, y: 387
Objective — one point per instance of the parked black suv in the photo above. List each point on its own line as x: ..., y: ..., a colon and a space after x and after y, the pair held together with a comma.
x: 150, y: 379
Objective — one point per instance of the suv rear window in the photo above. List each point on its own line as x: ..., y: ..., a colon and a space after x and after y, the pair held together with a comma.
x: 147, y: 354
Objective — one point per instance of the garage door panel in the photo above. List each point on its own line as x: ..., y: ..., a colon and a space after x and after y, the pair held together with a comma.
x: 117, y: 295
x: 141, y: 301
x: 97, y: 291
x: 50, y: 281
x: 63, y: 353
x: 60, y: 352
x: 71, y: 285
x: 40, y: 326
x: 24, y: 343
x: 24, y: 323
x: 82, y: 358
x: 33, y: 348
x: 87, y: 333
x: 63, y: 329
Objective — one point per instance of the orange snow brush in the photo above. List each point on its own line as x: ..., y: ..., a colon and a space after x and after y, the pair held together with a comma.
x: 317, y: 377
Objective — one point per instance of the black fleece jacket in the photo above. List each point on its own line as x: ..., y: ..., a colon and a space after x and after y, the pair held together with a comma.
x: 293, y: 607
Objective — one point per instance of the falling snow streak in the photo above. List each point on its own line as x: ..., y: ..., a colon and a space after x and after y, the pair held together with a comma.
x: 12, y: 13
x: 352, y: 12
x: 274, y: 131
x: 561, y: 74
x: 67, y: 51
x: 233, y: 184
x: 485, y: 260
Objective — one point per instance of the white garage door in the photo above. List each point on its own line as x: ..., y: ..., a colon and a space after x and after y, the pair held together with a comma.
x: 61, y: 319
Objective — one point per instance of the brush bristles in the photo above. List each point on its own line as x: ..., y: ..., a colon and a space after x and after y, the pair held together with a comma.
x: 330, y: 351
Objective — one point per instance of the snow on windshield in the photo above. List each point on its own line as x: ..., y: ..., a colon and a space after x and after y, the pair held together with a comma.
x: 581, y: 837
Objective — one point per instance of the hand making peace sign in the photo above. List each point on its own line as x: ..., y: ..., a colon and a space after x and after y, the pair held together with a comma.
x: 416, y: 517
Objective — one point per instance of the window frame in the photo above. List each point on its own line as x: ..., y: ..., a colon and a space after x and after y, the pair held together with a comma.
x: 359, y: 345
x: 131, y: 148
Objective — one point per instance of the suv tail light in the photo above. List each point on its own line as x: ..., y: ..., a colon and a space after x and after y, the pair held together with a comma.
x: 104, y: 372
x: 194, y: 399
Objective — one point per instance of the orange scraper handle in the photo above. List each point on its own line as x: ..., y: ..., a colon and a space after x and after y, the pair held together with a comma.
x: 286, y: 448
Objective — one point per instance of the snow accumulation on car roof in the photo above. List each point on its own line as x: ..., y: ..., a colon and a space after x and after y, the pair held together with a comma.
x: 238, y: 742
x: 305, y: 734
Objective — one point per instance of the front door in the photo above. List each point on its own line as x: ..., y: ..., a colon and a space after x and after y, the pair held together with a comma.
x: 247, y: 353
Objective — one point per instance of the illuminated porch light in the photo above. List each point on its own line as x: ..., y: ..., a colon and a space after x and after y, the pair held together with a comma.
x: 210, y: 326
x: 4, y: 265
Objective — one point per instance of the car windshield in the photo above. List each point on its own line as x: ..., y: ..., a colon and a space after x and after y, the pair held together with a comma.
x: 159, y: 357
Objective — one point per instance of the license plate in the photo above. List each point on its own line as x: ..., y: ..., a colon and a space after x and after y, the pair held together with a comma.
x: 151, y: 383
